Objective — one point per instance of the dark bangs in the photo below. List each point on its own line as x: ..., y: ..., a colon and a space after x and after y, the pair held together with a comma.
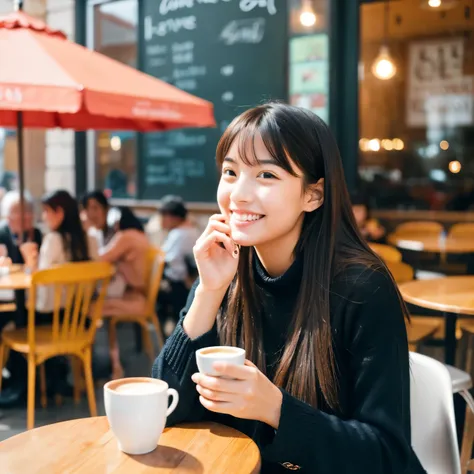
x: 246, y: 128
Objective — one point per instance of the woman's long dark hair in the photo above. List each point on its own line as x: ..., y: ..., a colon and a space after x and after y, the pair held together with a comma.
x: 71, y: 231
x: 329, y: 239
x: 101, y: 199
x: 128, y: 220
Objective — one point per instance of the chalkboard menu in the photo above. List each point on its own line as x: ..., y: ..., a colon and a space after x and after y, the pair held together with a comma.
x: 230, y: 52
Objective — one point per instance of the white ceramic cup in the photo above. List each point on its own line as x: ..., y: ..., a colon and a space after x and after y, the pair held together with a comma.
x: 137, y: 408
x: 206, y: 357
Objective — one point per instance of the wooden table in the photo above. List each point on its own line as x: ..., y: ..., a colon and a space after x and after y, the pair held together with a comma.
x: 15, y: 280
x: 428, y: 243
x: 88, y: 446
x: 451, y: 295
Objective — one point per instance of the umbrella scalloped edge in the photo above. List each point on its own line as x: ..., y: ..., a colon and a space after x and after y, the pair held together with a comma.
x: 20, y: 20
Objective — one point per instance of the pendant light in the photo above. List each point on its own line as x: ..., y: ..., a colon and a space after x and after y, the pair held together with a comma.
x: 439, y: 5
x: 384, y: 67
x: 307, y: 15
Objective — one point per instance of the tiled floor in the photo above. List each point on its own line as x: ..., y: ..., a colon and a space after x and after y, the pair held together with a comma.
x: 13, y: 421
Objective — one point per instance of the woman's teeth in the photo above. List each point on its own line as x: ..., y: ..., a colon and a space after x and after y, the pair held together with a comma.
x: 247, y: 217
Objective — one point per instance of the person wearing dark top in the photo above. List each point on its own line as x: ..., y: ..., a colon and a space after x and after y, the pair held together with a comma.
x: 10, y: 230
x: 370, y: 228
x: 285, y: 274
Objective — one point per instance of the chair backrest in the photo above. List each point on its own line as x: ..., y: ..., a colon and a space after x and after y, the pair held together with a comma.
x: 401, y: 272
x: 419, y: 227
x: 433, y: 427
x: 463, y: 229
x: 74, y: 286
x: 386, y: 252
x: 155, y: 265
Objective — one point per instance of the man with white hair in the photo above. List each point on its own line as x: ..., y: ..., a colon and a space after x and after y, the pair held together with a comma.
x: 10, y: 229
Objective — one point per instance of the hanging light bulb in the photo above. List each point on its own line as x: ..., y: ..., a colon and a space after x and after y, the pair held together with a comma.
x: 384, y: 68
x: 439, y: 5
x: 307, y: 15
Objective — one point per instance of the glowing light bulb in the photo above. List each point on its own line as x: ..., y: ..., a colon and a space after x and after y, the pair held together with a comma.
x: 308, y: 17
x: 374, y: 144
x: 455, y: 166
x: 384, y: 68
x: 434, y: 3
x: 444, y: 145
x: 115, y: 143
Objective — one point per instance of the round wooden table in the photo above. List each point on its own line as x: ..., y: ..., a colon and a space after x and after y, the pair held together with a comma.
x: 88, y: 446
x: 434, y: 244
x: 452, y: 295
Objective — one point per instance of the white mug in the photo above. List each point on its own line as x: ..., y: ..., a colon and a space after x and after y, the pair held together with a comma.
x: 137, y: 408
x: 206, y: 357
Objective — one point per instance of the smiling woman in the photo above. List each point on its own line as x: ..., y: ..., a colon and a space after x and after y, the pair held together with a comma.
x: 326, y: 385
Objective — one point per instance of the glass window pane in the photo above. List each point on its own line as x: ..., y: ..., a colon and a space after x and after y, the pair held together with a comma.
x: 416, y: 128
x: 115, y: 35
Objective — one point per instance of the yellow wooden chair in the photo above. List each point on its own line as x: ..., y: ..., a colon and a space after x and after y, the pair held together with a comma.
x: 155, y: 264
x: 462, y: 230
x: 419, y: 227
x: 386, y: 252
x: 74, y: 286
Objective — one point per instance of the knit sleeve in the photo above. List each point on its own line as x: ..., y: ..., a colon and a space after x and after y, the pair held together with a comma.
x: 177, y: 362
x: 374, y: 438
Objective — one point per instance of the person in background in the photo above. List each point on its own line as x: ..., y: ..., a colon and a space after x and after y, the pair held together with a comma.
x: 10, y: 229
x: 65, y: 242
x: 178, y: 248
x: 95, y: 208
x: 370, y: 228
x: 127, y: 293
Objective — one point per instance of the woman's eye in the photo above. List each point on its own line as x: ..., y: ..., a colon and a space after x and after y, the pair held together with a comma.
x: 266, y: 175
x: 228, y: 172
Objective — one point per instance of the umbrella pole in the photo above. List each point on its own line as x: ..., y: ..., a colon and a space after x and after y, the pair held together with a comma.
x: 21, y: 174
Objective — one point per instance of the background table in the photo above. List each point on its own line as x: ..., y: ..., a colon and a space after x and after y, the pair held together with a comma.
x: 433, y: 244
x: 88, y: 446
x: 451, y: 295
x: 17, y: 280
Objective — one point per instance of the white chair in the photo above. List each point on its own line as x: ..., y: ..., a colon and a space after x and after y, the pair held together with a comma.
x: 433, y: 427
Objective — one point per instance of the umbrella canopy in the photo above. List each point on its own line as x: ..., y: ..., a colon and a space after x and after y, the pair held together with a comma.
x: 58, y: 83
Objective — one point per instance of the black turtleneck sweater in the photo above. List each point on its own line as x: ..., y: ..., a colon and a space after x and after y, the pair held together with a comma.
x: 370, y: 434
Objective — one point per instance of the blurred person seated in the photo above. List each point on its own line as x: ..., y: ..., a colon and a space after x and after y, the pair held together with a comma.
x: 179, y: 260
x: 14, y: 386
x: 127, y: 293
x: 369, y: 227
x: 95, y: 209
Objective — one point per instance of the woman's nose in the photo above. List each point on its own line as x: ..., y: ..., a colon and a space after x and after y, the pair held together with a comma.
x: 241, y: 190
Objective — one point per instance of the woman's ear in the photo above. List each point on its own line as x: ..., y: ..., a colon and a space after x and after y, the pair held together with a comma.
x: 314, y: 196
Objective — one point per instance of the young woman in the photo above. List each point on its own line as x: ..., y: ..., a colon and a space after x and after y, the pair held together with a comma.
x: 126, y: 295
x: 65, y: 242
x: 285, y: 273
x: 370, y: 228
x: 94, y: 216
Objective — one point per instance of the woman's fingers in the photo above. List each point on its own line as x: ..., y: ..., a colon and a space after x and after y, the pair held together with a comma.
x: 214, y: 396
x: 215, y: 237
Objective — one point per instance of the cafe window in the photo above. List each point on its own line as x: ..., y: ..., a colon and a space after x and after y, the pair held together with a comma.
x: 113, y: 157
x: 416, y: 80
x: 309, y: 56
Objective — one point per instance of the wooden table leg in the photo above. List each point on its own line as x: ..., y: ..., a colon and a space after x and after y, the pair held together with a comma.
x: 450, y: 338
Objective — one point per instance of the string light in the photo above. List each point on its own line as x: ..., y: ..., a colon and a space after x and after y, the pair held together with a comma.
x: 307, y: 15
x: 384, y: 67
x: 444, y: 145
x: 455, y: 166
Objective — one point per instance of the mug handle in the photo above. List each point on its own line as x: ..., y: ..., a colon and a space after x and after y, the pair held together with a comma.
x: 174, y: 394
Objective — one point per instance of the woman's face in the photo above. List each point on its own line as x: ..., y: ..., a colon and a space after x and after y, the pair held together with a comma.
x: 263, y: 203
x: 53, y: 218
x: 96, y: 214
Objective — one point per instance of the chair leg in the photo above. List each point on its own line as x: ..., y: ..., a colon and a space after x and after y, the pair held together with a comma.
x: 31, y: 392
x: 117, y: 369
x: 159, y: 332
x: 44, y: 398
x: 89, y: 381
x: 468, y: 435
x: 76, y: 374
x: 469, y: 353
x: 147, y: 342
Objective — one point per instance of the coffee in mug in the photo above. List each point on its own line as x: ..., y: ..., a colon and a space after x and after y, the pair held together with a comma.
x: 206, y: 357
x: 137, y: 409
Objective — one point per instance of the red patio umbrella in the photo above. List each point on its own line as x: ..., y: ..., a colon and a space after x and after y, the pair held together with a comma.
x: 48, y: 81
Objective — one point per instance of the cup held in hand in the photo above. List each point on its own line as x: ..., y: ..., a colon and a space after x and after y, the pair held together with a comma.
x: 206, y: 357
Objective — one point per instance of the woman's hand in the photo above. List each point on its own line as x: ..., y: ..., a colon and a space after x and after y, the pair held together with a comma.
x: 240, y: 391
x: 216, y: 255
x: 5, y: 262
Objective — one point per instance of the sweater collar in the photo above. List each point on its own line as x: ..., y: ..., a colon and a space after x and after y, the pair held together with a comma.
x: 289, y: 280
